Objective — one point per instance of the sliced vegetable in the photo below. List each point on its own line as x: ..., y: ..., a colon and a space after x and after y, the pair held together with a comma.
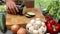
x: 30, y: 14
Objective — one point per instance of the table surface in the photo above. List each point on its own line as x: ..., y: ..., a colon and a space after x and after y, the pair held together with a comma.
x: 17, y: 19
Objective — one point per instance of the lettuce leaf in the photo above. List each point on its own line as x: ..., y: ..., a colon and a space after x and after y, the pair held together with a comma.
x: 2, y: 8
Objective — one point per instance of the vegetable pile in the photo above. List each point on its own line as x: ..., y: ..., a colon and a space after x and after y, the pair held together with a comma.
x: 17, y: 29
x: 36, y: 26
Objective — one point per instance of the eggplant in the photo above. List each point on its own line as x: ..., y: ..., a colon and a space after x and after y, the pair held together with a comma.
x: 20, y: 8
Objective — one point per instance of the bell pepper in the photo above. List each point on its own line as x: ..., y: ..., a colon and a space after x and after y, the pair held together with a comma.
x: 52, y: 27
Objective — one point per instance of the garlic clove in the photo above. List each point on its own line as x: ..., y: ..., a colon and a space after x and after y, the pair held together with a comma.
x: 28, y: 25
x: 36, y: 27
x: 38, y: 23
x: 40, y: 33
x: 32, y: 21
x: 43, y: 24
x: 42, y: 27
x: 37, y: 19
x: 45, y: 29
x: 35, y: 31
x: 40, y: 30
x: 31, y: 29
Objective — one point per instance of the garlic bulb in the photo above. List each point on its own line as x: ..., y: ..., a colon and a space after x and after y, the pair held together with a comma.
x: 35, y: 26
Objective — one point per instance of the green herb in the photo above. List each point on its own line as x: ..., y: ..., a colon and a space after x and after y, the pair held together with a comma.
x: 53, y: 9
x: 2, y: 8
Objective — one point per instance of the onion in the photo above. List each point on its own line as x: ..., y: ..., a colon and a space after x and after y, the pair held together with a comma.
x: 22, y: 31
x: 15, y: 28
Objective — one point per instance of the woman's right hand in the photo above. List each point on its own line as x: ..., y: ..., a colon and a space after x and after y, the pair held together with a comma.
x: 11, y: 7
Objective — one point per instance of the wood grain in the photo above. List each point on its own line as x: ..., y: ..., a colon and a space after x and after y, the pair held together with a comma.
x: 17, y: 19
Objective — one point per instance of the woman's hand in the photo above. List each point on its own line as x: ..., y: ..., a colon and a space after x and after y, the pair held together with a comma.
x: 11, y: 7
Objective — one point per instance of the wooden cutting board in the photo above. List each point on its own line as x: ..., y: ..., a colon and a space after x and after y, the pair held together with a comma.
x: 17, y: 19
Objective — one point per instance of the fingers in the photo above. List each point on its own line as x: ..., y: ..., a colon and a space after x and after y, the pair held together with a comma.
x: 8, y: 10
x: 12, y: 8
x: 16, y: 7
x: 7, y: 7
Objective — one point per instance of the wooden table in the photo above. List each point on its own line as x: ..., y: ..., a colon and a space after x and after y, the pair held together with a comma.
x: 17, y: 19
